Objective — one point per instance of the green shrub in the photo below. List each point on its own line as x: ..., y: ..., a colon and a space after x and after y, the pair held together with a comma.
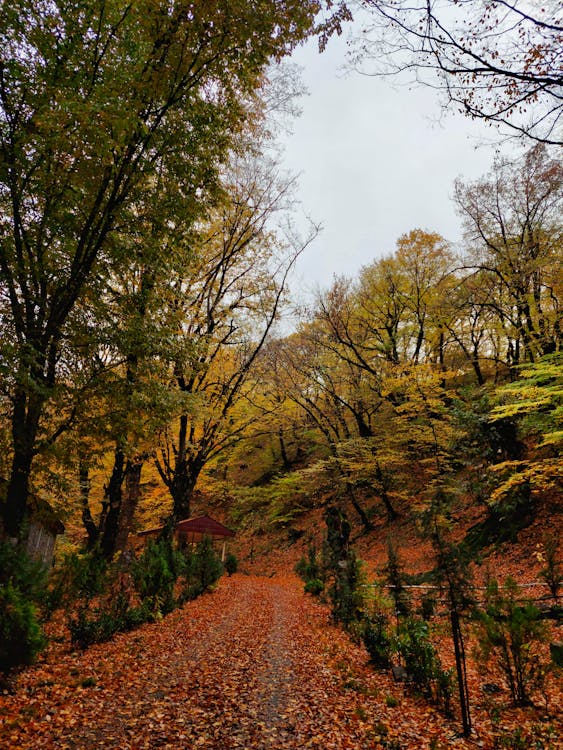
x: 445, y: 688
x: 231, y: 564
x: 422, y: 662
x: 92, y: 626
x: 207, y: 565
x: 25, y: 574
x: 377, y: 640
x: 343, y: 570
x: 308, y: 568
x: 300, y: 567
x: 113, y: 615
x: 427, y: 606
x: 22, y: 591
x: 541, y: 736
x: 314, y: 586
x: 155, y: 574
x: 395, y: 576
x: 203, y: 568
x: 391, y: 745
x: 510, y: 632
x: 552, y: 572
x: 21, y: 637
x: 136, y: 616
x: 347, y: 593
x: 80, y: 575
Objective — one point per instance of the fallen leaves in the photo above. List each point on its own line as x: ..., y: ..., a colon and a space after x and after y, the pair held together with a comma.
x: 254, y: 665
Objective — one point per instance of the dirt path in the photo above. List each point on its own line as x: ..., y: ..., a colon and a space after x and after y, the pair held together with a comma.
x: 254, y: 665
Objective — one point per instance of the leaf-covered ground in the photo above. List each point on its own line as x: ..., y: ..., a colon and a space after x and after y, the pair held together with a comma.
x: 256, y: 664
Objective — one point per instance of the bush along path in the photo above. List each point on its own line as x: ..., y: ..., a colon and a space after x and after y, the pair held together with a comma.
x: 256, y: 664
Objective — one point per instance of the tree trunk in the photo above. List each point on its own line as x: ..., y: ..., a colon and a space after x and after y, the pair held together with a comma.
x: 109, y: 520
x: 25, y: 424
x: 366, y: 523
x: 477, y: 368
x: 364, y: 430
x: 130, y: 501
x: 182, y: 487
x: 88, y: 522
x: 392, y: 514
x: 17, y: 494
x: 283, y: 451
x: 459, y: 650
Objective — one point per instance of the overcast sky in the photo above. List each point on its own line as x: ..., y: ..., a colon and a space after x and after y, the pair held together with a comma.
x: 374, y: 163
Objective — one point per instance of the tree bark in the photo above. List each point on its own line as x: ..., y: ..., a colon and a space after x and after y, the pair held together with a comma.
x: 88, y: 522
x: 182, y: 488
x: 366, y: 523
x: 25, y: 425
x: 283, y: 451
x: 392, y: 514
x: 109, y: 520
x: 130, y: 501
x: 459, y: 650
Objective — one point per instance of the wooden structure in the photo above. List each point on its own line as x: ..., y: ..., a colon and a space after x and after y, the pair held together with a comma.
x: 193, y: 530
x: 42, y: 526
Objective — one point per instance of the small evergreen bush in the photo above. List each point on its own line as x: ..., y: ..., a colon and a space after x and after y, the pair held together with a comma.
x: 113, y: 615
x: 80, y: 575
x: 377, y: 639
x: 346, y: 592
x: 427, y: 606
x: 231, y: 564
x: 21, y: 637
x: 343, y: 570
x: 203, y: 568
x: 155, y: 574
x: 207, y: 565
x: 89, y: 627
x: 396, y: 580
x: 510, y: 632
x: 314, y: 586
x: 24, y: 573
x: 552, y: 572
x: 22, y: 592
x: 422, y: 662
x: 308, y: 568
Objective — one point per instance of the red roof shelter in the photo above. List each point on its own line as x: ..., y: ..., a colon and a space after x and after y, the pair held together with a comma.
x: 193, y: 530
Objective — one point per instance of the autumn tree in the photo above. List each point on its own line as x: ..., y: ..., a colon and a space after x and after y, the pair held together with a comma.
x: 472, y: 327
x: 92, y: 97
x: 351, y: 369
x: 226, y: 303
x: 495, y: 61
x: 393, y: 313
x: 130, y: 402
x: 310, y: 383
x: 298, y: 369
x: 535, y: 400
x: 141, y: 302
x: 513, y: 235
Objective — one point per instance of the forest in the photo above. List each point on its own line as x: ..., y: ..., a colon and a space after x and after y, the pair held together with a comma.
x: 394, y: 441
